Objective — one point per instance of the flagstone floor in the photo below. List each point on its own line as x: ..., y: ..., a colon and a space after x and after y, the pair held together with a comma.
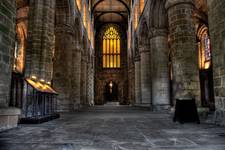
x: 114, y: 128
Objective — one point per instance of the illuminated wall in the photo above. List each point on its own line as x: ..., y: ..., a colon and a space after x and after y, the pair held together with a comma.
x: 136, y: 13
x: 141, y: 4
x: 78, y: 4
x: 19, y: 52
x: 85, y: 15
x: 111, y: 49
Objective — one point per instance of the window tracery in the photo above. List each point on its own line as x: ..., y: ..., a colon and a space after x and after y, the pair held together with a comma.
x: 111, y: 48
x: 204, y: 47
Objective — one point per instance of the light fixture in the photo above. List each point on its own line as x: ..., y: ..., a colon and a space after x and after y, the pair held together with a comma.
x: 42, y: 80
x: 111, y: 84
x: 33, y: 77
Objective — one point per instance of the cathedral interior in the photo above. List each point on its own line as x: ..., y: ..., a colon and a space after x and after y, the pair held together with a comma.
x: 112, y: 74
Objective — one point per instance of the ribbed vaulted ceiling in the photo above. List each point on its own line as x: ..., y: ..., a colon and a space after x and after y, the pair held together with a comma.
x: 111, y: 10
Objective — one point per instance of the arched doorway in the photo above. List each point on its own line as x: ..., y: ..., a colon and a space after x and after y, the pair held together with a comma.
x: 111, y: 92
x: 205, y: 67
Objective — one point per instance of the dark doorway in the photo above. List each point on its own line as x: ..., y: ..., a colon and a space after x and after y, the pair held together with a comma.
x: 206, y: 84
x: 171, y: 81
x: 111, y: 92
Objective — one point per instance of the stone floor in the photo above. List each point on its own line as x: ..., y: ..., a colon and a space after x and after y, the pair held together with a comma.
x: 114, y: 128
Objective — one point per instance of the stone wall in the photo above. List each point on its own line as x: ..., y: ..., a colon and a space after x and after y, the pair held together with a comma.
x: 217, y: 33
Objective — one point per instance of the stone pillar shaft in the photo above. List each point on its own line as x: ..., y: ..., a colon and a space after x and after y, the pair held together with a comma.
x: 145, y: 75
x: 160, y: 77
x: 84, y: 80
x: 7, y: 42
x: 137, y: 82
x: 40, y: 39
x: 63, y: 69
x: 184, y: 48
x: 76, y: 78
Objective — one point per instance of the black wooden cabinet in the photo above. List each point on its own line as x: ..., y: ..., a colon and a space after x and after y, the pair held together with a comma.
x: 186, y: 111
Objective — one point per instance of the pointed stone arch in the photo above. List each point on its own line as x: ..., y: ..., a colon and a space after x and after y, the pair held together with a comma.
x: 144, y: 67
x: 78, y: 30
x: 158, y: 14
x: 143, y: 33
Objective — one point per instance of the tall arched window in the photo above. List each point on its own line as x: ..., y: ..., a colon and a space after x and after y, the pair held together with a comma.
x: 111, y: 49
x: 204, y: 48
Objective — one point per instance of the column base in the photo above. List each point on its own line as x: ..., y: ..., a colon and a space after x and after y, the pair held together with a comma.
x: 77, y: 107
x: 9, y: 118
x: 146, y: 106
x: 219, y: 117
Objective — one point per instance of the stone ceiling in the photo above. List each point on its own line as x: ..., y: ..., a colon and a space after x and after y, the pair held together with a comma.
x: 111, y: 10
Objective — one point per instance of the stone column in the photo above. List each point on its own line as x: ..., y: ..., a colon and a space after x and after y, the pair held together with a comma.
x: 8, y: 116
x: 40, y: 39
x: 145, y: 74
x: 90, y: 82
x: 160, y: 77
x: 84, y: 80
x: 184, y: 48
x: 63, y: 69
x: 75, y: 79
x: 7, y: 42
x: 137, y: 80
x: 217, y: 35
x: 131, y: 82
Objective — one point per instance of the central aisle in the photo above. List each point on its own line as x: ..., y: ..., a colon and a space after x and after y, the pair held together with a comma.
x: 113, y: 128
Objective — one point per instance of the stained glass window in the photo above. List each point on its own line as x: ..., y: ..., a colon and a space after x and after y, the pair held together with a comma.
x: 207, y: 47
x: 111, y: 49
x: 204, y: 48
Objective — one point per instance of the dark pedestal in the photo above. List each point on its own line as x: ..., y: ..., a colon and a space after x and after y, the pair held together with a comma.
x: 186, y: 111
